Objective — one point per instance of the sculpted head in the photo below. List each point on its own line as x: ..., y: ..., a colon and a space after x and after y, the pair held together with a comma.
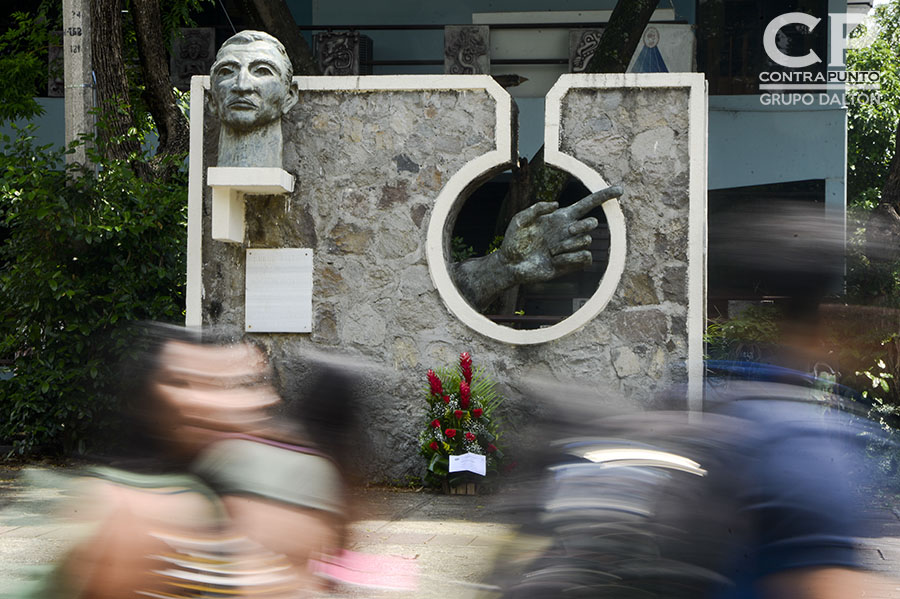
x: 250, y: 81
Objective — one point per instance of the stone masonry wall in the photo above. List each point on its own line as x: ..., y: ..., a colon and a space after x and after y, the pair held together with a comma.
x: 369, y: 166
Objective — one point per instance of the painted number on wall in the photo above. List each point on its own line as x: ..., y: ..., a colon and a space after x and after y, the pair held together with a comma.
x: 75, y: 31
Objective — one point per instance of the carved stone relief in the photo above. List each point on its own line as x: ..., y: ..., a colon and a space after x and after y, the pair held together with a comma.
x: 467, y: 50
x: 582, y: 44
x: 192, y: 54
x: 343, y: 53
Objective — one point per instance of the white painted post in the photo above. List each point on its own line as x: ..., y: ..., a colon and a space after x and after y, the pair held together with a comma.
x: 77, y: 66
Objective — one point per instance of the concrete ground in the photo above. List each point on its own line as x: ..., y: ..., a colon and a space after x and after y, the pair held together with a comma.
x: 450, y: 539
x: 453, y: 540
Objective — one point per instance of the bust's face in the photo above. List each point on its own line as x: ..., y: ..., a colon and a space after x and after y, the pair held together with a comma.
x: 248, y: 85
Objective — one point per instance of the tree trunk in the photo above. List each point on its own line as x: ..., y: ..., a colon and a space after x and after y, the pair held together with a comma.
x: 274, y: 17
x: 520, y: 194
x: 621, y: 36
x: 116, y: 116
x: 533, y: 181
x: 171, y: 125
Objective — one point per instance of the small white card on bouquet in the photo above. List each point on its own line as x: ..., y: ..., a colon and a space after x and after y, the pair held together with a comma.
x: 469, y: 461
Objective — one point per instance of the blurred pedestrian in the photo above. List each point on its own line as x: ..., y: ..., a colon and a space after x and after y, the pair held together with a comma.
x: 759, y: 497
x: 211, y: 494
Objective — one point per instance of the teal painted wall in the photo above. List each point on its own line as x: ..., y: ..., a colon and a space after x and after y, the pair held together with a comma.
x: 749, y: 144
x: 50, y: 127
x: 420, y: 45
x: 752, y: 144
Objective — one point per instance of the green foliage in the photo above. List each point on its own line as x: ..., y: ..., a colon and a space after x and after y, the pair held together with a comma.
x: 871, y: 124
x: 879, y: 380
x: 736, y: 338
x: 174, y: 14
x: 549, y: 182
x: 878, y: 383
x: 81, y: 253
x: 495, y: 244
x: 460, y: 250
x: 179, y: 13
x: 871, y: 282
x: 461, y: 419
x: 23, y: 65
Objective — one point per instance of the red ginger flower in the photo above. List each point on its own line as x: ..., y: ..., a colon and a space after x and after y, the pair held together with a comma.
x: 465, y: 364
x: 458, y: 414
x: 470, y: 436
x: 446, y: 399
x: 477, y: 412
x: 435, y: 382
x: 465, y: 393
x: 436, y: 423
x: 450, y: 432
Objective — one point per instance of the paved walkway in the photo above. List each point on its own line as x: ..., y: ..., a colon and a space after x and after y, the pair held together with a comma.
x: 452, y: 540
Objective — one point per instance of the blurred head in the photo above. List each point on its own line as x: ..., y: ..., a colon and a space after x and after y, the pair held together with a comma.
x: 184, y: 393
x: 250, y: 81
x: 203, y: 391
x: 327, y: 407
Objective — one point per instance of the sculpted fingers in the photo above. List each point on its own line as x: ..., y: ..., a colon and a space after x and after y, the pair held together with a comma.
x: 585, y: 205
x: 531, y: 214
x: 572, y: 244
x: 571, y: 261
x: 583, y: 226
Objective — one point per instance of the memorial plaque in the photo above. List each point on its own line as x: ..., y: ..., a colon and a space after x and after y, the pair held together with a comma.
x: 278, y: 296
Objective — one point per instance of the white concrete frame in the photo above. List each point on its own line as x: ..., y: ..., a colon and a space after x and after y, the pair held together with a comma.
x: 479, y: 167
x: 200, y: 85
x: 503, y: 154
x: 193, y: 295
x: 593, y: 181
x: 697, y: 179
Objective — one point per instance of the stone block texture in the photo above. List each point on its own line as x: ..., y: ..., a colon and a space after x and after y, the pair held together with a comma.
x: 369, y: 165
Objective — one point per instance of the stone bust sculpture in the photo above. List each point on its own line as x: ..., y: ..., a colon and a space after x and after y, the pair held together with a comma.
x: 250, y: 90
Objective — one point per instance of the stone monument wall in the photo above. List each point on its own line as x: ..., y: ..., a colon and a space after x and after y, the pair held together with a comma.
x: 369, y: 165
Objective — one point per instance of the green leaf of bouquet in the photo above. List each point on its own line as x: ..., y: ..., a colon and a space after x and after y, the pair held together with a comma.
x: 434, y: 461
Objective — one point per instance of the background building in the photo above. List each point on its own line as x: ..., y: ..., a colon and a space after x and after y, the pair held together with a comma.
x: 764, y: 155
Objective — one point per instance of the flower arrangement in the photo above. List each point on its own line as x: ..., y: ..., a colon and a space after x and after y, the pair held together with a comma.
x: 460, y: 416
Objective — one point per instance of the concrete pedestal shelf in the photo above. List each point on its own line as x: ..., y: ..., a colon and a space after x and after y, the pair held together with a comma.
x: 229, y: 186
